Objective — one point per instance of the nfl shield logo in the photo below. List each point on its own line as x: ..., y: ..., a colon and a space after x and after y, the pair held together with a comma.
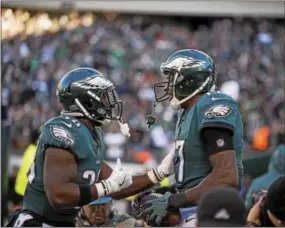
x: 220, y: 142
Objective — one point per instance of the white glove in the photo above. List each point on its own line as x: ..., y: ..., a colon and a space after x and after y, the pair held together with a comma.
x: 165, y: 168
x: 118, y: 180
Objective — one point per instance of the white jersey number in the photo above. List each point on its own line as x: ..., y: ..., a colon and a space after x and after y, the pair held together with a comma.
x: 90, y: 175
x: 32, y: 173
x: 179, y: 145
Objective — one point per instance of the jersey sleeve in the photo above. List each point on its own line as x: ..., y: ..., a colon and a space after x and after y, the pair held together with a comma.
x: 218, y: 112
x: 62, y: 134
x: 56, y: 135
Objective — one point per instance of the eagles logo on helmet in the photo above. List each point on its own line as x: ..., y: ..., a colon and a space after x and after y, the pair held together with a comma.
x: 85, y: 92
x: 188, y: 72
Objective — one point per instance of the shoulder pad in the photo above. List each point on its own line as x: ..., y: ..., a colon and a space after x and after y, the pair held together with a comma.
x: 61, y: 132
x: 67, y: 121
x: 216, y: 96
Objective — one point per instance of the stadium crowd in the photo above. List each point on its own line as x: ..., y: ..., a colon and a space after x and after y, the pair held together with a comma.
x: 129, y: 51
x: 39, y: 48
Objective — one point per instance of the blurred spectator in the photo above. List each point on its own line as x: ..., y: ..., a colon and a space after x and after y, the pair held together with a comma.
x: 231, y: 88
x: 276, y: 169
x: 40, y: 47
x: 14, y: 199
x: 269, y: 211
x: 115, y: 143
x: 221, y: 207
x: 144, y: 157
x: 5, y: 137
x: 246, y: 183
x: 26, y: 164
x: 261, y: 138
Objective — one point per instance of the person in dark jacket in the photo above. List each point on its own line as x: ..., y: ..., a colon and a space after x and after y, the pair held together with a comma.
x: 269, y: 211
x: 276, y: 169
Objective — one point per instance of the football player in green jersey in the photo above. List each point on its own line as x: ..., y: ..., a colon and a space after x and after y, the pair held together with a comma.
x: 209, y: 132
x: 68, y: 171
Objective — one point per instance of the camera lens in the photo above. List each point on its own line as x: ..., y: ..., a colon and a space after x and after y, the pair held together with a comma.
x: 256, y: 196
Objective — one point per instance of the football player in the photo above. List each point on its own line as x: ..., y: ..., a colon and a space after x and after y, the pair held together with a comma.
x: 68, y: 171
x: 208, y: 136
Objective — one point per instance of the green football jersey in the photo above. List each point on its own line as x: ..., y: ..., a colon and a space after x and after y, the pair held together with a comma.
x: 191, y: 164
x: 70, y: 134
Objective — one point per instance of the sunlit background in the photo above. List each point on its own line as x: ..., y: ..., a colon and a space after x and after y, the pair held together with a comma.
x: 41, y: 42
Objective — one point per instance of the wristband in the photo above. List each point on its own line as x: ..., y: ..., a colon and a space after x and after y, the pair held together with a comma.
x: 101, y: 189
x: 85, y: 195
x: 106, y: 188
x: 152, y: 175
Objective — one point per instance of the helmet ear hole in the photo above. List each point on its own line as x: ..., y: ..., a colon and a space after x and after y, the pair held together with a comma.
x: 189, y: 82
x: 89, y: 104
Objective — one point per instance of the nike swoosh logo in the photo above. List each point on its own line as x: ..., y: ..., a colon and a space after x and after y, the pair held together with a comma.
x: 66, y: 124
x: 123, y: 181
x: 189, y: 219
x: 215, y: 99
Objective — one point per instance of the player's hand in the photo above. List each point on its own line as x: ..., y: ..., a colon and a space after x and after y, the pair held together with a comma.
x: 156, y: 209
x: 118, y: 180
x: 254, y: 213
x: 166, y: 165
x: 165, y: 168
x: 124, y: 178
x: 137, y: 204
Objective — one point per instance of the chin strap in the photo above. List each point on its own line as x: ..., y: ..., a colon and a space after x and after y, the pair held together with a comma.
x: 124, y: 128
x: 151, y: 118
x: 74, y: 114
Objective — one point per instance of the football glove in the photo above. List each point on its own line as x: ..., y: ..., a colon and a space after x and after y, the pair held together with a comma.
x: 155, y: 210
x: 139, y: 201
x: 118, y: 180
x: 165, y: 169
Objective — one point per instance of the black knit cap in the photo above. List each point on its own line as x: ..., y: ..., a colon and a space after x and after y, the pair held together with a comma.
x: 222, y: 207
x: 276, y: 198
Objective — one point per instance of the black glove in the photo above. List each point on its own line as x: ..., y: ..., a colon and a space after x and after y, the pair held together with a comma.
x: 138, y: 203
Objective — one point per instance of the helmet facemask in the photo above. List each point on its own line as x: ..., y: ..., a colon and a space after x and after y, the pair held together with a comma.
x: 103, y: 105
x: 172, y: 89
x: 94, y: 98
x: 164, y: 90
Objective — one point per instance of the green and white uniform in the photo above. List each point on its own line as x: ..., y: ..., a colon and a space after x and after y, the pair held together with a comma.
x: 214, y: 109
x: 86, y: 145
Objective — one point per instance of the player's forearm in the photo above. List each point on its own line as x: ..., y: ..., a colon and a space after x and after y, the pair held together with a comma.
x: 70, y: 195
x: 212, y: 180
x: 140, y: 183
x: 215, y: 178
x: 63, y: 196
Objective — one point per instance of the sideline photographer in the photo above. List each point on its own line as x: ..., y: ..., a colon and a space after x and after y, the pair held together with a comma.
x: 276, y: 169
x: 101, y: 213
x: 269, y: 211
